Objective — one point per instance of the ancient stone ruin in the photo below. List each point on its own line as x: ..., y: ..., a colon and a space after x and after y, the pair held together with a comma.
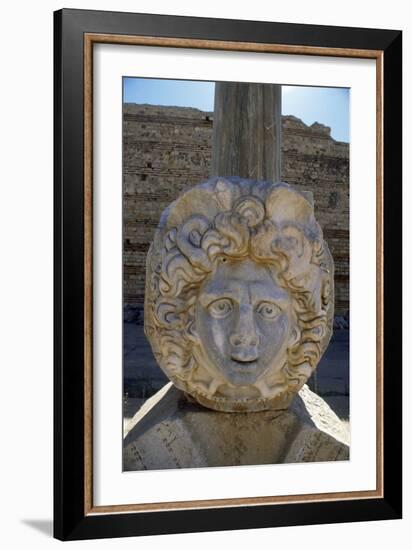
x: 239, y: 308
x: 167, y: 150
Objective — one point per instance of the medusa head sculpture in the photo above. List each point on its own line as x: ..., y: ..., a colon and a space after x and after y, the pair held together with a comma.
x: 239, y: 293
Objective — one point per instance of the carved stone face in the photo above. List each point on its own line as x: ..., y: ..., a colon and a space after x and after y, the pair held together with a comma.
x: 239, y: 293
x: 243, y: 320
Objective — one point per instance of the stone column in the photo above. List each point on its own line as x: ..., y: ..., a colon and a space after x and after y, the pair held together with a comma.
x: 247, y: 131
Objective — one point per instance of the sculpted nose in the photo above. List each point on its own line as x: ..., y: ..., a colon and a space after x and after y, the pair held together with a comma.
x: 239, y: 339
x: 244, y: 334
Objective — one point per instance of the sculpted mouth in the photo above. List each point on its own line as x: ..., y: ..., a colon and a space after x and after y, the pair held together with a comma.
x: 244, y: 361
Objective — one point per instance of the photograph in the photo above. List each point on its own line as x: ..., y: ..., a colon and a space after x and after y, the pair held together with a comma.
x: 206, y: 201
x: 224, y: 329
x: 235, y: 273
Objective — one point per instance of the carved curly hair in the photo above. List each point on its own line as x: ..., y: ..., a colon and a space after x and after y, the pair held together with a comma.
x: 235, y: 218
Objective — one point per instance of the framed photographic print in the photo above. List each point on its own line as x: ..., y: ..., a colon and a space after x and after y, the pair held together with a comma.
x: 227, y: 274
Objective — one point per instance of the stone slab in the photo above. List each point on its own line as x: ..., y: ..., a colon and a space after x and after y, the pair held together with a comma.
x: 169, y: 431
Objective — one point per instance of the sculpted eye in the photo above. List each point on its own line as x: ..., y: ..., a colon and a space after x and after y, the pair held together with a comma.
x: 220, y: 308
x: 268, y: 310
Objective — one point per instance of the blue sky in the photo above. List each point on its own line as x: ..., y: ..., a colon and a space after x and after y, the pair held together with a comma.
x: 329, y: 106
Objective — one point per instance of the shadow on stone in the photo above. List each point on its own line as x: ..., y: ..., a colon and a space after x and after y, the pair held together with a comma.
x: 171, y: 432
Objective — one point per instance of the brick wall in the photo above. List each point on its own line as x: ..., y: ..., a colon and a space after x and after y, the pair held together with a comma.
x: 168, y: 149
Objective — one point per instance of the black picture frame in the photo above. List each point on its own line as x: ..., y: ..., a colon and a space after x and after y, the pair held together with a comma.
x: 71, y: 520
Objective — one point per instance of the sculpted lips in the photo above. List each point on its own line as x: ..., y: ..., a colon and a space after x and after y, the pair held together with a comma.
x: 245, y: 357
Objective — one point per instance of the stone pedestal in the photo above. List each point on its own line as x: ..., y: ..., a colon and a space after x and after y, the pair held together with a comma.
x: 170, y: 431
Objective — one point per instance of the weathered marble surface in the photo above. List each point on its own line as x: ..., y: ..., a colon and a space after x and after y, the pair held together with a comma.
x: 169, y: 431
x: 239, y: 294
